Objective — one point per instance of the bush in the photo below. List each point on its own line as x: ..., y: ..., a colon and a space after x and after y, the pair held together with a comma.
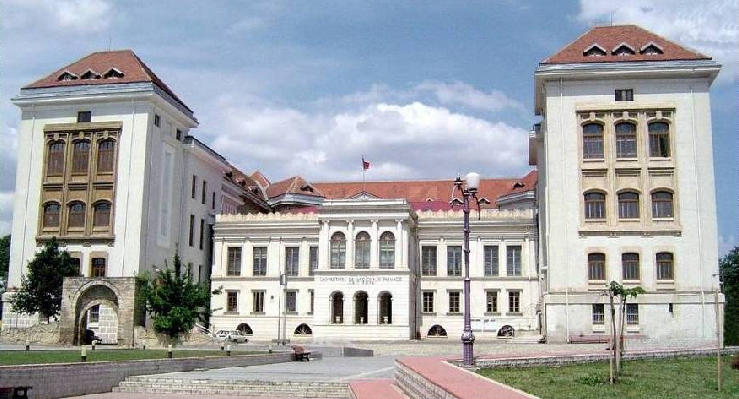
x: 735, y: 361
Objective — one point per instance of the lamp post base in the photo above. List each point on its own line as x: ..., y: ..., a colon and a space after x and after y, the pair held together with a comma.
x: 468, y: 343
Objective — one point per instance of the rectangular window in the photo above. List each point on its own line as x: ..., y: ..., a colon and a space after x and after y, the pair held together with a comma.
x: 94, y: 315
x: 312, y: 260
x: 157, y: 120
x: 194, y: 184
x: 98, y: 267
x: 213, y: 201
x: 632, y: 314
x: 491, y: 301
x: 77, y: 264
x: 428, y: 302
x: 202, y: 233
x: 292, y: 261
x: 624, y: 95
x: 659, y: 139
x: 233, y: 264
x: 453, y: 301
x: 514, y: 302
x: 258, y: 301
x: 599, y: 314
x: 232, y: 301
x: 592, y: 141
x: 630, y: 265
x: 454, y: 261
x: 178, y: 134
x: 192, y: 230
x: 260, y: 261
x: 665, y: 266
x: 428, y: 261
x: 291, y: 301
x: 84, y: 116
x: 205, y: 191
x: 491, y: 260
x: 312, y: 296
x: 513, y: 260
x: 596, y: 267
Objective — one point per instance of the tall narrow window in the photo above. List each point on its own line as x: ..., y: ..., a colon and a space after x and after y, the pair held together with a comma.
x: 491, y: 301
x: 362, y: 251
x: 101, y: 216
x: 213, y: 200
x: 157, y: 120
x: 312, y: 299
x: 94, y: 314
x: 338, y: 250
x: 258, y: 301
x: 453, y: 301
x: 596, y: 267
x: 665, y: 266
x: 454, y: 261
x: 491, y: 260
x: 55, y: 159
x: 191, y: 234
x: 76, y: 215
x: 233, y: 264
x: 513, y: 260
x: 292, y: 261
x: 106, y: 155
x: 628, y: 205
x: 205, y: 190
x: 232, y: 301
x: 80, y: 156
x: 630, y: 265
x: 51, y: 214
x: 202, y: 233
x: 291, y: 301
x: 514, y: 301
x: 592, y: 141
x: 259, y: 261
x: 98, y: 267
x: 428, y: 302
x: 659, y: 139
x: 428, y: 261
x: 387, y: 250
x: 194, y: 184
x: 662, y: 204
x: 625, y: 140
x: 312, y: 260
x: 599, y: 314
x: 632, y: 314
x: 595, y: 205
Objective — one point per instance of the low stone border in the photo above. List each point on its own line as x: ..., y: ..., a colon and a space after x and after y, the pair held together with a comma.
x: 58, y: 380
x: 560, y: 360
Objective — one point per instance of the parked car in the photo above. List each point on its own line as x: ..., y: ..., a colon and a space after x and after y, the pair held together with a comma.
x: 231, y: 336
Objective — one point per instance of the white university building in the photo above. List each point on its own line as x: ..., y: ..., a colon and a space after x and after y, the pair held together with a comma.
x: 621, y: 188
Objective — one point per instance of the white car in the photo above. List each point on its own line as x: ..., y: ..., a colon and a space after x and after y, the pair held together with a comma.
x: 231, y: 336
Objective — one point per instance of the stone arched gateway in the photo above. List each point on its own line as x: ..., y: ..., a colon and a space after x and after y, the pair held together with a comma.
x: 115, y: 299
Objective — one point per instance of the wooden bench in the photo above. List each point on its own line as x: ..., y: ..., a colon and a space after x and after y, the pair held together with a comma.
x: 300, y: 353
x: 14, y: 392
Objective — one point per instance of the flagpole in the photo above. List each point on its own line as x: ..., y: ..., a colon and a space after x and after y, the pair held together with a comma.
x: 364, y: 172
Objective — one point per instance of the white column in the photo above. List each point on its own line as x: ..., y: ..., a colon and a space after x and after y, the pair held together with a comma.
x: 374, y: 247
x: 398, y: 244
x: 304, y: 262
x: 218, y: 261
x: 247, y: 259
x: 323, y: 246
x: 350, y: 244
x: 477, y: 267
x: 406, y: 247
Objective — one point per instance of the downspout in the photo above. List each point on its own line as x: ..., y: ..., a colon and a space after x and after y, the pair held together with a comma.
x: 28, y: 189
x: 567, y: 223
x: 698, y: 213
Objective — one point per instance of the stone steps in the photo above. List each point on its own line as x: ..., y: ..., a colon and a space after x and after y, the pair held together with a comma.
x: 252, y: 388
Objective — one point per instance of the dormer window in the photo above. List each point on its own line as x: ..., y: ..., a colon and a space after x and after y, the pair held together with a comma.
x: 113, y: 73
x: 90, y: 74
x: 66, y: 75
x: 622, y: 50
x: 518, y: 184
x: 594, y: 50
x: 307, y: 188
x: 651, y: 48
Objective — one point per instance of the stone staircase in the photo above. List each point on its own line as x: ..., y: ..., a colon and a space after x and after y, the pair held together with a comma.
x: 251, y: 388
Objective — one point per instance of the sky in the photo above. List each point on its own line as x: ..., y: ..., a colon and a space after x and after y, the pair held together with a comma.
x: 423, y: 89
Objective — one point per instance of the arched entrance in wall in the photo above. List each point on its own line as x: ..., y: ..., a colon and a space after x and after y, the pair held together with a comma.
x: 360, y: 307
x: 303, y: 329
x: 385, y: 302
x: 245, y: 329
x: 337, y: 307
x: 96, y: 314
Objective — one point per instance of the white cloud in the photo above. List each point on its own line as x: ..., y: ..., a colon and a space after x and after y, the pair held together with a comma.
x: 710, y: 27
x: 78, y: 15
x: 459, y: 93
x: 6, y: 212
x: 726, y: 244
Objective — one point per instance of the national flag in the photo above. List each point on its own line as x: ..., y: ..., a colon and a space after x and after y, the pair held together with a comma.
x: 365, y: 164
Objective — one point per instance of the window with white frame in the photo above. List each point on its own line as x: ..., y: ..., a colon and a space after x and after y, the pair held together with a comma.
x: 428, y: 260
x: 233, y: 264
x: 453, y: 301
x: 659, y: 139
x: 599, y: 314
x: 514, y: 301
x: 362, y: 247
x: 592, y: 141
x: 628, y: 205
x: 630, y: 265
x: 513, y: 260
x: 312, y: 260
x: 259, y: 261
x: 387, y: 250
x: 291, y: 301
x: 338, y: 250
x: 662, y: 204
x: 665, y: 266
x: 454, y: 261
x: 292, y: 261
x: 491, y: 260
x: 632, y: 314
x: 257, y: 301
x: 595, y: 206
x: 596, y: 267
x: 232, y: 301
x: 428, y: 301
x: 491, y: 301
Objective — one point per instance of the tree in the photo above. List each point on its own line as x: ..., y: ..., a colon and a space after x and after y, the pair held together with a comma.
x: 616, y: 290
x: 4, y: 257
x: 729, y: 272
x: 41, y: 287
x: 174, y: 301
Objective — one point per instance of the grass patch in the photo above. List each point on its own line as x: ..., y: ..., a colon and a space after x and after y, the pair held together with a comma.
x: 684, y: 378
x: 16, y: 357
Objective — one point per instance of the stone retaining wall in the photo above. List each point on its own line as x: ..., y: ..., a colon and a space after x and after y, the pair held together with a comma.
x: 51, y: 381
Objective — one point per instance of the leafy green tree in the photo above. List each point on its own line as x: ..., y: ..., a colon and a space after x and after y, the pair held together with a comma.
x: 4, y: 257
x: 729, y: 271
x: 41, y: 287
x: 616, y: 290
x: 174, y: 301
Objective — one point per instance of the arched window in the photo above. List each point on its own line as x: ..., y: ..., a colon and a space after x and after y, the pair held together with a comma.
x: 101, y: 215
x: 360, y: 307
x: 303, y: 329
x: 76, y: 215
x: 362, y: 251
x: 592, y: 141
x: 659, y: 139
x: 595, y: 205
x: 387, y: 250
x: 245, y: 329
x: 80, y: 156
x: 625, y: 140
x: 106, y: 151
x: 662, y: 204
x: 596, y: 267
x: 665, y: 266
x: 628, y: 205
x: 338, y: 250
x: 337, y: 308
x: 630, y: 265
x: 51, y: 214
x: 55, y: 159
x: 436, y: 331
x: 385, y: 300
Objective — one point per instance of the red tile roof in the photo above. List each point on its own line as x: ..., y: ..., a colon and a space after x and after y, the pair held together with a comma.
x: 609, y: 38
x: 126, y: 61
x: 292, y: 185
x: 260, y: 178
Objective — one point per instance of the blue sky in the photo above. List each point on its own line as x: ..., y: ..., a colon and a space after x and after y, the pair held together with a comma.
x: 425, y: 89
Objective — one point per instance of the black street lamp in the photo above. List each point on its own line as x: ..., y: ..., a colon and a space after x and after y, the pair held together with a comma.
x: 468, y: 188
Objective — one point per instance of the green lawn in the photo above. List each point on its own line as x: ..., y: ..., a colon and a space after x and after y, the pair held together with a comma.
x: 681, y: 378
x: 63, y: 356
